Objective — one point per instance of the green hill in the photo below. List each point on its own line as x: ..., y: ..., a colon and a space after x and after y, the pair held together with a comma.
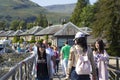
x: 65, y: 8
x: 19, y: 9
x: 27, y: 10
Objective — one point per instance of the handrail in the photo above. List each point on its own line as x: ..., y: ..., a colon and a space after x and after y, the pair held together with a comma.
x: 114, y: 70
x: 20, y: 69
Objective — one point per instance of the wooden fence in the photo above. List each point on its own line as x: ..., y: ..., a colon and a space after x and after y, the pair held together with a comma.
x: 114, y: 68
x: 22, y: 71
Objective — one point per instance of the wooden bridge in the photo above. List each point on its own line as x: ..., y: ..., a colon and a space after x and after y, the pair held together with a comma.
x: 22, y: 70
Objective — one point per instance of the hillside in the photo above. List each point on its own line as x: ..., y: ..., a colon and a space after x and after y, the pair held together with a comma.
x: 18, y: 9
x: 66, y: 8
x: 28, y: 10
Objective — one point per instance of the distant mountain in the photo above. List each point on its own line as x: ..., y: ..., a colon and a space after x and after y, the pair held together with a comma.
x: 66, y: 8
x: 19, y: 9
x: 28, y: 10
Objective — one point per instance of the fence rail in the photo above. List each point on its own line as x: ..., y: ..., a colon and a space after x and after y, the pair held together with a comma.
x: 114, y: 69
x: 21, y: 71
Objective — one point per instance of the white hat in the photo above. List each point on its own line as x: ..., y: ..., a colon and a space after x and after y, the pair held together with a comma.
x: 79, y: 35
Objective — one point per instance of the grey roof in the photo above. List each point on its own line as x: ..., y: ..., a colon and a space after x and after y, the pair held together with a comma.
x: 50, y: 30
x: 2, y: 31
x: 18, y: 32
x: 32, y: 31
x: 7, y: 33
x: 68, y: 29
x: 86, y: 30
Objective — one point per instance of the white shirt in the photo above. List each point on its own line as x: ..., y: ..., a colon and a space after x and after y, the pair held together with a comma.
x: 49, y: 51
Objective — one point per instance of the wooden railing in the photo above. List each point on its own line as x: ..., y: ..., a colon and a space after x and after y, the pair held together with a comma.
x: 21, y: 71
x: 114, y: 68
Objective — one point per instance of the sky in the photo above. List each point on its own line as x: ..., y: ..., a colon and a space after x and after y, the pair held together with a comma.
x: 53, y: 2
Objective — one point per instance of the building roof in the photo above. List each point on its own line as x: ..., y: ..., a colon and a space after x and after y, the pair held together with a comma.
x: 1, y: 32
x: 50, y: 30
x: 7, y: 33
x: 68, y: 29
x: 18, y: 32
x: 32, y: 31
x: 86, y: 30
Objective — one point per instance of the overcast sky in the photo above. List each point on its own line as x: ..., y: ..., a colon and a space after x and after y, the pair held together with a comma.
x: 53, y: 2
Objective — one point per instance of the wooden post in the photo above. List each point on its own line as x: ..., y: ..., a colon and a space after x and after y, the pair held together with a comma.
x: 20, y: 72
x: 117, y: 67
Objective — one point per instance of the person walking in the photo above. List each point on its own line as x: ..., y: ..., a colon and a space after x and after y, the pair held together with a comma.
x: 57, y: 58
x: 50, y: 51
x: 80, y: 48
x: 43, y: 63
x: 18, y: 48
x: 65, y: 51
x: 61, y: 64
x: 101, y: 58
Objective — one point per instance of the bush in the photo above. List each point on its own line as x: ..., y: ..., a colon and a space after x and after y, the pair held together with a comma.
x: 32, y: 39
x: 114, y: 51
x: 16, y: 39
x: 21, y: 40
x: 1, y: 59
x: 40, y: 41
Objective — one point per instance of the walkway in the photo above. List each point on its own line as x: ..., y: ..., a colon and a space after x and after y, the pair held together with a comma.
x: 59, y: 75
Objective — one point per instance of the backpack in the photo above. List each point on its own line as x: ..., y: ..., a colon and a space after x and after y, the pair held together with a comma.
x: 56, y: 55
x: 83, y: 65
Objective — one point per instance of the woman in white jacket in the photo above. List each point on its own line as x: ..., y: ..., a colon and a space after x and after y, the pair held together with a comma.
x: 101, y: 58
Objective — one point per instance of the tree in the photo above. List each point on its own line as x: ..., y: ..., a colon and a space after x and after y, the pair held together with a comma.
x: 45, y: 21
x: 29, y: 25
x: 2, y: 25
x: 22, y: 25
x: 41, y: 21
x: 87, y: 16
x: 107, y: 24
x: 14, y: 25
x: 75, y: 18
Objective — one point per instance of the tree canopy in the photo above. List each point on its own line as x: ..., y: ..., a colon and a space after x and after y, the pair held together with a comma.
x: 107, y: 24
x: 75, y: 18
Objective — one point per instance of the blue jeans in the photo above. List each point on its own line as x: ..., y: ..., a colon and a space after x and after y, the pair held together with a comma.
x: 75, y: 76
x: 65, y: 63
x: 72, y: 69
x: 43, y: 78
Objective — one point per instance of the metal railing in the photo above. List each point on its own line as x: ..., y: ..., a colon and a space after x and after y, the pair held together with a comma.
x: 21, y: 71
x: 114, y: 69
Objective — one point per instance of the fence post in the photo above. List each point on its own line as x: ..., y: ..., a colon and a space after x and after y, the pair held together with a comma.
x: 20, y: 72
x: 117, y: 67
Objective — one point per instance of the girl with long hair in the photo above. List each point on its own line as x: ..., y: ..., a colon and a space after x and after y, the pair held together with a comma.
x: 101, y: 58
x: 80, y: 48
x: 43, y: 63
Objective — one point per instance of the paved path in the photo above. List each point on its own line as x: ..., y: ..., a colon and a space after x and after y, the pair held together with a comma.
x: 58, y: 76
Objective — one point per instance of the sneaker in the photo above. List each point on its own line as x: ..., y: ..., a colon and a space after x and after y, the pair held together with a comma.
x: 66, y: 78
x: 55, y: 74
